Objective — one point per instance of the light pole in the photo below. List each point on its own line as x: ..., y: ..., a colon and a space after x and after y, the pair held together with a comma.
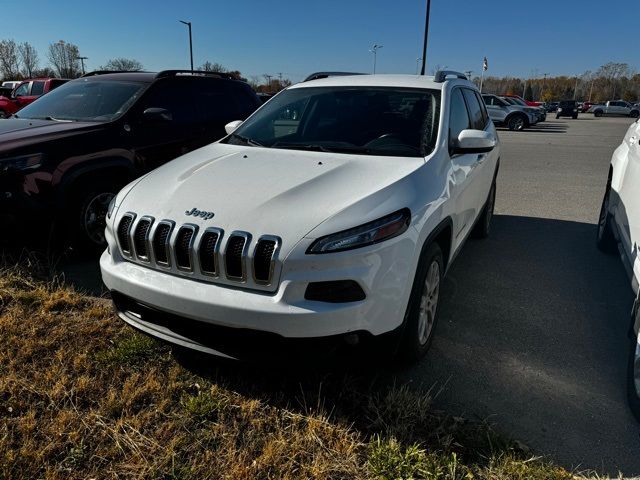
x: 82, y: 59
x: 544, y: 80
x: 575, y: 91
x: 188, y: 24
x: 374, y: 50
x: 418, y: 60
x: 426, y: 38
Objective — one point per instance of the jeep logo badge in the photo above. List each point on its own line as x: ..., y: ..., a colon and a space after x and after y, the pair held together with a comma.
x: 194, y: 212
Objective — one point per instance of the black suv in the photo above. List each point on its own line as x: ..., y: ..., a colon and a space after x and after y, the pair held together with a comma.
x: 66, y: 155
x: 567, y: 108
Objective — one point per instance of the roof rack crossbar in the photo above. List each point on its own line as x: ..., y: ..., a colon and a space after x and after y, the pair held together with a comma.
x: 173, y: 73
x: 441, y: 75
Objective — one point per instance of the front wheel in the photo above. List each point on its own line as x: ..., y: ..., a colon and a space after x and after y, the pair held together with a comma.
x: 3, y: 114
x: 634, y: 114
x: 597, y: 113
x: 422, y: 311
x: 557, y: 117
x: 516, y: 123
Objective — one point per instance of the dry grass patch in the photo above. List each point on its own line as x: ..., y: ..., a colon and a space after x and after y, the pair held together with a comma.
x: 84, y: 396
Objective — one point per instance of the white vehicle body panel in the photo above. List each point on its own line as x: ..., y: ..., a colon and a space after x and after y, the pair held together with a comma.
x: 300, y: 196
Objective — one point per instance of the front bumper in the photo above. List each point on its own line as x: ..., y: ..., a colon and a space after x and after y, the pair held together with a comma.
x: 385, y: 273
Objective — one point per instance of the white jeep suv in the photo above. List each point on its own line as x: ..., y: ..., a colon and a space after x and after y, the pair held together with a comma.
x: 619, y: 232
x: 334, y: 211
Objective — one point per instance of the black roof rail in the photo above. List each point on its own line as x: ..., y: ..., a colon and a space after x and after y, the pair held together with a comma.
x: 173, y: 73
x: 105, y: 72
x: 318, y: 75
x: 441, y: 75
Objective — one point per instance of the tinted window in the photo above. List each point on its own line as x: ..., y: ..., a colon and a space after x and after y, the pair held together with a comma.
x: 222, y: 101
x: 359, y: 120
x: 37, y: 88
x: 173, y: 95
x: 458, y: 116
x: 475, y: 112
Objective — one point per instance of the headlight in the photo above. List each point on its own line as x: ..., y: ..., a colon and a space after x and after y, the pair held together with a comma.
x: 559, y: 109
x: 112, y: 206
x: 22, y: 162
x: 368, y: 234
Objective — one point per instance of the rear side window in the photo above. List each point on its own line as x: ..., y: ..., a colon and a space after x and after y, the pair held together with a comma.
x: 222, y: 101
x: 37, y: 88
x: 475, y: 112
x: 458, y: 116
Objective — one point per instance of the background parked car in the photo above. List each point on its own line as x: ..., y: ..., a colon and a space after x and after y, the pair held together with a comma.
x: 551, y: 107
x: 514, y: 117
x: 540, y: 112
x: 26, y: 92
x: 619, y: 233
x: 567, y: 108
x: 615, y: 107
x: 68, y: 153
x: 586, y: 106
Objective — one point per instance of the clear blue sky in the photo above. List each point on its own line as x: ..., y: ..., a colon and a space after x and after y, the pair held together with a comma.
x: 297, y: 37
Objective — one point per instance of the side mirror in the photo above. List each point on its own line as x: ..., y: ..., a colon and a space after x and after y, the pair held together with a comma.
x: 475, y: 141
x: 155, y: 114
x: 232, y: 126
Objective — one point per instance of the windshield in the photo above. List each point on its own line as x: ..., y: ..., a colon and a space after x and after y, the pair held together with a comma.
x: 85, y: 100
x: 360, y: 120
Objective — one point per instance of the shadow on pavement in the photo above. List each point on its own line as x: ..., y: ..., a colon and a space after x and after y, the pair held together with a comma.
x: 533, y: 336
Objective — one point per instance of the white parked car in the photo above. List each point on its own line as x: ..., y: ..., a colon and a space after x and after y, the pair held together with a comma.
x: 619, y: 231
x: 332, y: 212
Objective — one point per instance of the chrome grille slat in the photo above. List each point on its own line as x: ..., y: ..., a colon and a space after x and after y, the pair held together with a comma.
x: 235, y: 256
x: 160, y: 243
x: 123, y: 232
x: 264, y: 257
x: 183, y: 247
x: 141, y: 238
x: 208, y: 252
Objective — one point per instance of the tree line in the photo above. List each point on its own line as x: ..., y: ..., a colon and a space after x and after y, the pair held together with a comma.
x: 19, y: 61
x: 611, y: 81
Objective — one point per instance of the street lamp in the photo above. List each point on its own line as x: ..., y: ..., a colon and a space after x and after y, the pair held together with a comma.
x: 374, y: 50
x: 188, y: 24
x: 544, y: 80
x: 418, y: 60
x: 82, y: 59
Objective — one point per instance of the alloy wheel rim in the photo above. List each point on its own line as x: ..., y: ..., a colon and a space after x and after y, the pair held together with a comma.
x: 518, y: 123
x: 429, y: 303
x: 95, y: 217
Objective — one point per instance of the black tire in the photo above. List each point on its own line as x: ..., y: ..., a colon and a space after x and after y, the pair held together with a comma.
x: 3, y: 114
x: 634, y: 114
x: 633, y: 370
x: 516, y: 122
x: 482, y: 228
x: 605, y: 240
x: 557, y: 117
x: 575, y: 117
x: 89, y: 204
x: 417, y: 336
x: 597, y: 113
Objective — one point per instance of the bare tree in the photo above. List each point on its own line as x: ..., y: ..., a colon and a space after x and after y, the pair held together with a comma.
x: 9, y: 60
x: 29, y: 58
x: 212, y: 67
x: 64, y: 58
x: 123, y: 64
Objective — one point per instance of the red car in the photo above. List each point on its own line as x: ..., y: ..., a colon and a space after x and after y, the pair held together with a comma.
x: 25, y: 93
x: 531, y: 104
x: 586, y: 106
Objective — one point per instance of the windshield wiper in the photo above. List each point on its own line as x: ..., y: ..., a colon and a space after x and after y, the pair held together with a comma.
x: 322, y: 148
x: 248, y: 141
x: 56, y: 119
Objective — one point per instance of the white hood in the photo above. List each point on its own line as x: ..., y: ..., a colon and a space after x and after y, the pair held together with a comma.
x: 262, y: 191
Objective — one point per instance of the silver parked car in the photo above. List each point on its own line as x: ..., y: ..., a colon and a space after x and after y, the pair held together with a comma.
x: 514, y: 117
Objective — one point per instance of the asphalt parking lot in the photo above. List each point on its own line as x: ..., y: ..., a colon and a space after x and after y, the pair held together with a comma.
x: 533, y: 328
